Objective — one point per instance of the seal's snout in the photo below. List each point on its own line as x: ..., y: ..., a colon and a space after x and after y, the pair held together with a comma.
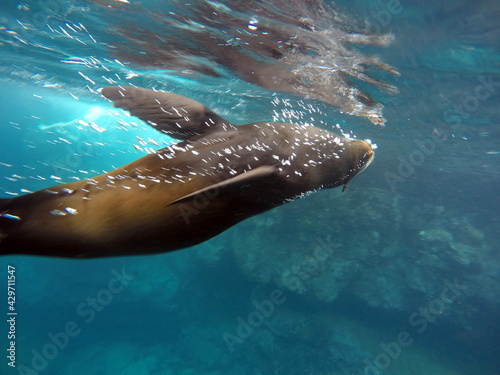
x: 363, y: 151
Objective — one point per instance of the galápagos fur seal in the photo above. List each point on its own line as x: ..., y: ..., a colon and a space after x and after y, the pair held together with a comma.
x: 184, y: 194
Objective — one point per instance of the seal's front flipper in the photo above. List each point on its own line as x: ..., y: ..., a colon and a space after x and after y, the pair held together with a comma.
x: 172, y: 114
x: 236, y: 182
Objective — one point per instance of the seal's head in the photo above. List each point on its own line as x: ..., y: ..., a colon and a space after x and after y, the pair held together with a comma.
x: 363, y: 151
x: 348, y: 157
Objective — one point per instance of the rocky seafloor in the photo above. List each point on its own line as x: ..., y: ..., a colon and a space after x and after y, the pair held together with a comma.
x: 368, y: 266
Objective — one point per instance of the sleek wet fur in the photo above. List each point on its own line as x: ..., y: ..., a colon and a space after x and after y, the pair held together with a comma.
x: 184, y: 194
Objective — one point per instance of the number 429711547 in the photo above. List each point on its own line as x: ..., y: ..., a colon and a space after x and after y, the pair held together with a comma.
x: 11, y: 288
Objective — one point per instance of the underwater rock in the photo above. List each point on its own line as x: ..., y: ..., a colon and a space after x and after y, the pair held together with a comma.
x: 439, y: 235
x: 346, y: 351
x: 158, y: 282
x: 302, y: 340
x: 320, y: 261
x: 370, y: 244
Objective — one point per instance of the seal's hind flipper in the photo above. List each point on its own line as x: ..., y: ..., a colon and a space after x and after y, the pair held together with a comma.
x: 172, y: 114
x: 236, y: 182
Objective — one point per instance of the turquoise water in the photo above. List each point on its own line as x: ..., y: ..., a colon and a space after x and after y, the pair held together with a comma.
x: 398, y: 275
